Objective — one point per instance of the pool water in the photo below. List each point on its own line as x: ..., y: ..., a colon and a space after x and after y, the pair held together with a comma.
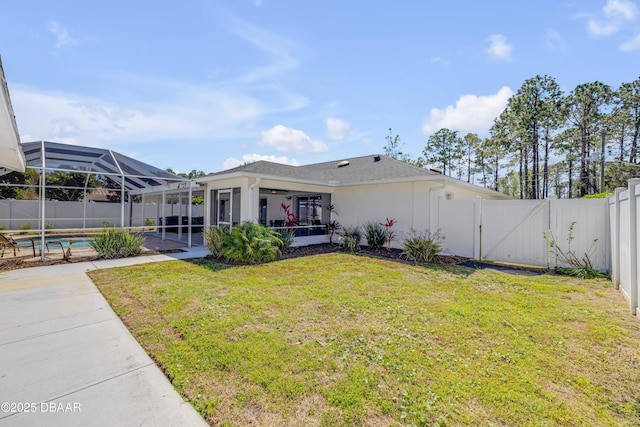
x: 76, y: 242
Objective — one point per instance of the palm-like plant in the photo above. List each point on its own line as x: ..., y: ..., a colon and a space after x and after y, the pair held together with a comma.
x: 251, y: 243
x: 214, y: 239
x: 116, y: 243
x: 375, y: 234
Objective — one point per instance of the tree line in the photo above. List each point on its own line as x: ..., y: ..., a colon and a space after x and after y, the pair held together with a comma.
x: 68, y: 186
x: 545, y: 142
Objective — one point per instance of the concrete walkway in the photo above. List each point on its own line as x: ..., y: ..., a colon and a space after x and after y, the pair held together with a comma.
x: 66, y: 359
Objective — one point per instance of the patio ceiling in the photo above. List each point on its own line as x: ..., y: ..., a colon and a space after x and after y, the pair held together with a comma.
x: 11, y: 155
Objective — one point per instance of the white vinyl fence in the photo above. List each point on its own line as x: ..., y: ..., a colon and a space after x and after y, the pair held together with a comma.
x: 625, y: 231
x: 72, y: 215
x: 512, y: 230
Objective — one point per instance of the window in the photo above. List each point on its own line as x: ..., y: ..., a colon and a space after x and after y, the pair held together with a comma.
x: 310, y: 209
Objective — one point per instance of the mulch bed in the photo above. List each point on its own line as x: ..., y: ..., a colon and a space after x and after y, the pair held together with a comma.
x: 384, y: 253
x: 301, y: 251
x: 325, y: 248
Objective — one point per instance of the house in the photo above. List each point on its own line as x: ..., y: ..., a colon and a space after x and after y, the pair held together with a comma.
x: 361, y: 189
x: 101, y: 194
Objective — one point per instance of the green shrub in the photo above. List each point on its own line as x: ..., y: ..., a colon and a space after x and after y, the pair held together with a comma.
x: 375, y: 235
x: 214, y: 239
x: 597, y: 195
x: 422, y: 248
x: 150, y: 224
x: 26, y: 226
x: 287, y: 236
x: 116, y: 243
x: 251, y: 243
x: 351, y: 237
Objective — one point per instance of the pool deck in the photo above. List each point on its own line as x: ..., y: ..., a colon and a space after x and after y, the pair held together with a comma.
x: 152, y: 244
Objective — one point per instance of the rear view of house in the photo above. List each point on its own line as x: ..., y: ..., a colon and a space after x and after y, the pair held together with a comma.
x: 361, y: 189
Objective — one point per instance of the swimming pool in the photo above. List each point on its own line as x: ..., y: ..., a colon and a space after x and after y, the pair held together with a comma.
x: 76, y: 242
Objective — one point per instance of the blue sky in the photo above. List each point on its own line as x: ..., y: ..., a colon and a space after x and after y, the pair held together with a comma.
x: 211, y: 84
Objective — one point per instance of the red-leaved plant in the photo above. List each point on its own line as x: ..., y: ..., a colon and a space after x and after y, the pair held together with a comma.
x: 291, y: 219
x: 390, y: 234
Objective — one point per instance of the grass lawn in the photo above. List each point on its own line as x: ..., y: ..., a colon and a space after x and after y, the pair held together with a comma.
x: 338, y: 339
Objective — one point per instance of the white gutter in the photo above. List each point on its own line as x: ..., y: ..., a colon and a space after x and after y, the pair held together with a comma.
x: 333, y: 184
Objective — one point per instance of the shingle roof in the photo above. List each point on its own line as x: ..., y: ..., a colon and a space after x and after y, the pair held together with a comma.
x: 358, y: 169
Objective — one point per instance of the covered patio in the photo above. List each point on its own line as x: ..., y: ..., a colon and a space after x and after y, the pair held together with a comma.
x: 303, y: 208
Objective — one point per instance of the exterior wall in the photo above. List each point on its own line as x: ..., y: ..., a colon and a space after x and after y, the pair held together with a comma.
x: 414, y: 205
x: 406, y: 203
x: 274, y: 210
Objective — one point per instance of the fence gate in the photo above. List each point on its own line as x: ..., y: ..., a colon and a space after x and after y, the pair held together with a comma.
x: 458, y: 223
x: 512, y: 232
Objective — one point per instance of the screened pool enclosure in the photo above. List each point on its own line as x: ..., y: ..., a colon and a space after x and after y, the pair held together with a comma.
x: 69, y: 188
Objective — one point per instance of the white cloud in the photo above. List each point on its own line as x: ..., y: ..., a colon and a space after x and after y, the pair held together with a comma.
x: 189, y: 113
x: 631, y: 44
x: 439, y: 60
x: 500, y: 49
x: 620, y: 9
x: 471, y: 113
x: 599, y: 29
x: 288, y: 140
x: 232, y: 162
x: 555, y: 41
x: 336, y: 128
x: 63, y: 38
x: 279, y: 50
x: 617, y: 13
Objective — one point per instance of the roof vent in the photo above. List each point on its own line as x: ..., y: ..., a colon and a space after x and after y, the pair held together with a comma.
x: 343, y: 163
x: 376, y: 159
x: 436, y: 170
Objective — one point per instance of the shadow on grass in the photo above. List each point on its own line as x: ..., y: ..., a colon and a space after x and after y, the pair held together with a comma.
x: 210, y: 264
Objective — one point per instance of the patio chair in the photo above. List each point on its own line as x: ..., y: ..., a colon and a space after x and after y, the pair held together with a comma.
x: 9, y: 242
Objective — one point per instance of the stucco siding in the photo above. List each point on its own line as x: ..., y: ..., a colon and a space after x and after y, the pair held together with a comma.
x: 406, y: 203
x: 413, y: 205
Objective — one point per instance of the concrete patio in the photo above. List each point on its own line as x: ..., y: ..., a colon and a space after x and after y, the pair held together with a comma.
x: 66, y: 359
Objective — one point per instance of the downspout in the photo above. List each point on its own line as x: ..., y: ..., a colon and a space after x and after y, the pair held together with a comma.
x: 431, y: 209
x: 251, y: 187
